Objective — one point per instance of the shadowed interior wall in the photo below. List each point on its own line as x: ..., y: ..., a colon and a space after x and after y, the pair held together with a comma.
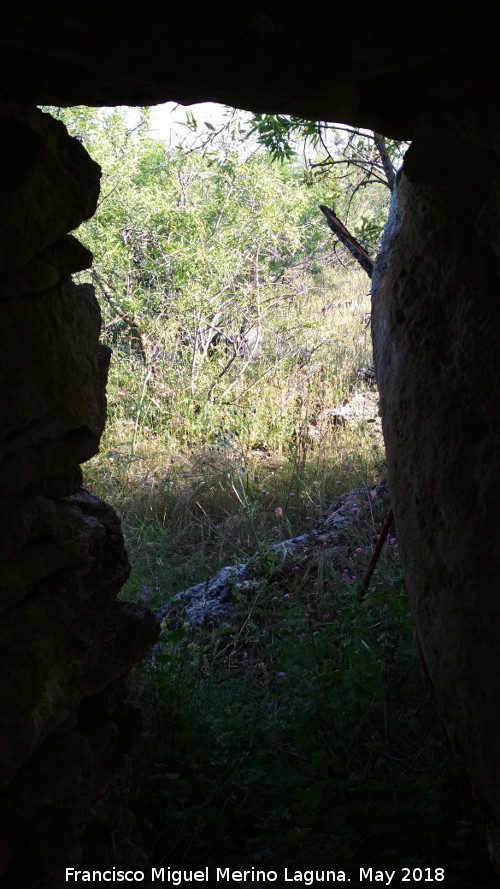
x: 431, y: 75
x: 70, y: 709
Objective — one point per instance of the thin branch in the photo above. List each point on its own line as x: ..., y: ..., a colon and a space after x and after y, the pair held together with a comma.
x: 124, y: 316
x: 376, y: 553
x: 387, y: 164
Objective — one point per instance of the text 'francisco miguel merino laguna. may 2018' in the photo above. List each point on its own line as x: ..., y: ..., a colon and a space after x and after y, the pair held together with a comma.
x: 166, y: 875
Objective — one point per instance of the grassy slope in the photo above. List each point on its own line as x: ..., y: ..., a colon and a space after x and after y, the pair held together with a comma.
x: 299, y: 733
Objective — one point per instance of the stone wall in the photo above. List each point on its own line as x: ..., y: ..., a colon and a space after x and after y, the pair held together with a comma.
x: 436, y: 332
x: 70, y: 708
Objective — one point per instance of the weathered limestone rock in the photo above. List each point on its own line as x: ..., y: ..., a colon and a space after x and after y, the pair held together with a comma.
x: 264, y: 55
x: 206, y: 604
x: 436, y: 330
x: 70, y: 709
x: 48, y: 186
x: 54, y: 410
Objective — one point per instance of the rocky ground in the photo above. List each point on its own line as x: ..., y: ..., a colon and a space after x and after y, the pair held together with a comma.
x: 356, y: 517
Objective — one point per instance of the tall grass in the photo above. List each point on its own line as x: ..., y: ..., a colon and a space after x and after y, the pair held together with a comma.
x: 185, y: 474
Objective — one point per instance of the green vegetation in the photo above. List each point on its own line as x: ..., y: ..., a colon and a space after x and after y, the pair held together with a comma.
x: 299, y: 730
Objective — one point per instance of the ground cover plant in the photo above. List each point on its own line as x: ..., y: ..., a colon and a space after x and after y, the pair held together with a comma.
x: 241, y: 407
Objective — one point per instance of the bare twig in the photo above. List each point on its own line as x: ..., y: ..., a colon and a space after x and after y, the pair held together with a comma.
x: 124, y: 316
x: 376, y: 553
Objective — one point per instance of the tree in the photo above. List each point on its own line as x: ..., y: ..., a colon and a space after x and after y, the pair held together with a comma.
x: 194, y: 251
x: 359, y: 158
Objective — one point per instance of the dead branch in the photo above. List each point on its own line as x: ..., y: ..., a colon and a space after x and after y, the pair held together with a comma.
x: 350, y: 242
